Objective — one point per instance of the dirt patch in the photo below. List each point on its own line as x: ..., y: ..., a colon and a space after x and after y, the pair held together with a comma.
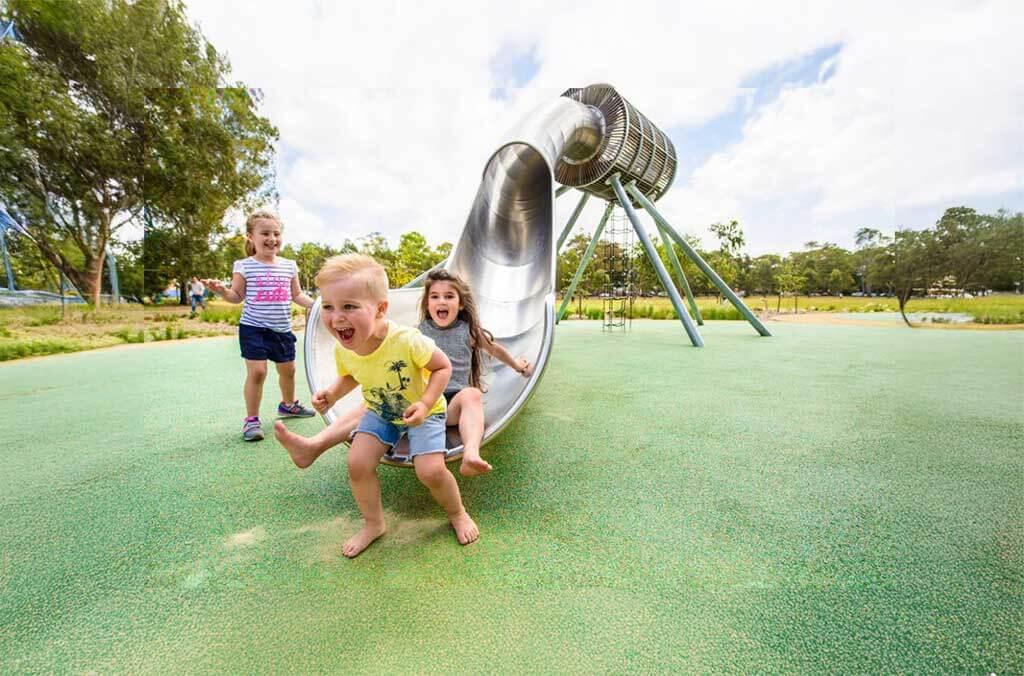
x: 246, y: 538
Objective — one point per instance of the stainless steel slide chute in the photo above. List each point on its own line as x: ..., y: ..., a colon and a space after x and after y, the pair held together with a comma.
x: 506, y: 251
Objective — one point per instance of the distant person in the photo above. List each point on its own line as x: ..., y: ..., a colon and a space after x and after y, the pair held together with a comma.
x: 267, y: 284
x: 448, y: 316
x: 403, y: 376
x: 196, y: 291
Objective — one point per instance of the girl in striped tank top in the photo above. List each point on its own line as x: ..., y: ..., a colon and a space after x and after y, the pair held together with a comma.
x: 267, y: 285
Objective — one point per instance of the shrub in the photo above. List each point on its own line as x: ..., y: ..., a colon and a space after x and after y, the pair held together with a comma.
x: 47, y: 319
x: 127, y: 336
x: 214, y: 315
x: 35, y: 348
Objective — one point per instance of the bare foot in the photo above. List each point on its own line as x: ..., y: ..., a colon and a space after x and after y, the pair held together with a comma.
x: 302, y: 451
x: 361, y: 540
x: 473, y: 465
x: 466, y: 531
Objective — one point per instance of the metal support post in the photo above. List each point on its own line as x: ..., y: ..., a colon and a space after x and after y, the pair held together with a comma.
x: 572, y: 221
x: 705, y: 268
x: 679, y: 273
x: 583, y: 263
x: 652, y: 253
x: 115, y: 287
x: 562, y: 190
x: 7, y: 260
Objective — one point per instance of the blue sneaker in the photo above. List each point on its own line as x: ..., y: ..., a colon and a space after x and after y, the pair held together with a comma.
x: 294, y: 410
x: 251, y: 430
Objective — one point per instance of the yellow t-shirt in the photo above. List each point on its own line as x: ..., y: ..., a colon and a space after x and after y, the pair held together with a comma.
x: 393, y: 376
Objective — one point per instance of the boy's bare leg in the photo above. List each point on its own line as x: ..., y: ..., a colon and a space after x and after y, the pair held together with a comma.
x: 305, y: 450
x: 255, y: 374
x: 431, y: 470
x: 467, y: 409
x: 363, y: 459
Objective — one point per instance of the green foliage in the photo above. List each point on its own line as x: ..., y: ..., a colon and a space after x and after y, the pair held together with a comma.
x: 20, y: 349
x: 218, y: 313
x: 50, y: 318
x: 131, y: 336
x: 110, y: 105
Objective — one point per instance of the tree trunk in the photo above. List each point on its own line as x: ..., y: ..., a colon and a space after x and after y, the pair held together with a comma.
x: 92, y: 279
x: 778, y: 306
x: 796, y: 298
x: 902, y: 298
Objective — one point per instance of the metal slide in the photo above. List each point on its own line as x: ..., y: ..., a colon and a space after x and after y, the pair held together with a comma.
x: 507, y: 251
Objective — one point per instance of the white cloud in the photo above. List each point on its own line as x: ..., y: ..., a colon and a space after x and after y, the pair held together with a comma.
x: 387, y: 119
x: 931, y: 119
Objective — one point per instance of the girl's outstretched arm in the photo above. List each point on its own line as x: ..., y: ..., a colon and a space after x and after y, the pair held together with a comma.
x: 233, y: 294
x: 299, y: 296
x: 498, y: 351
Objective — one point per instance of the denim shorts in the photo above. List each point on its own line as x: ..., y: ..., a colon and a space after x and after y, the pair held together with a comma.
x: 261, y: 343
x: 427, y: 437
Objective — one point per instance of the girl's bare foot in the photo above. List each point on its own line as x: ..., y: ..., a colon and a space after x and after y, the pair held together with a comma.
x: 465, y: 528
x: 473, y: 465
x: 361, y: 540
x: 302, y: 451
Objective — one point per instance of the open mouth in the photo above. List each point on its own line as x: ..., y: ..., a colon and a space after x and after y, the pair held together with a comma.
x: 346, y: 334
x: 442, y: 314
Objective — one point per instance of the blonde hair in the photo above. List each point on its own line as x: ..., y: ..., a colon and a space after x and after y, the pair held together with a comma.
x: 250, y: 223
x: 351, y: 264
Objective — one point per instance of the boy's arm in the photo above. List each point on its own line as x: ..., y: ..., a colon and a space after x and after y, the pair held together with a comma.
x: 329, y: 396
x: 299, y: 296
x: 498, y: 351
x: 440, y: 373
x: 233, y: 294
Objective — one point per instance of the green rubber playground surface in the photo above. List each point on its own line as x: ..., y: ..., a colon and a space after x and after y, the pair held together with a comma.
x: 833, y: 499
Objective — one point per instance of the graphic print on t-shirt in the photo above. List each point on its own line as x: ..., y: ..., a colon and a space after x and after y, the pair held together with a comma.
x: 273, y: 288
x: 388, y: 402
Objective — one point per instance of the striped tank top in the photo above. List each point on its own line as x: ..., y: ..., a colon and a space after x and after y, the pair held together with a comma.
x: 268, y: 293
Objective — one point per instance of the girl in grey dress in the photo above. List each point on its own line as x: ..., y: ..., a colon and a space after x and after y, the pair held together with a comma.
x: 448, y: 315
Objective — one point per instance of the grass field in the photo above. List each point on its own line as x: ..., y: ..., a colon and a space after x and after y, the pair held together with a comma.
x: 995, y: 309
x: 43, y: 329
x: 849, y: 501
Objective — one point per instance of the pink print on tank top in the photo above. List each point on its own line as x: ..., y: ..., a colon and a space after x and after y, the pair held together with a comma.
x: 272, y: 289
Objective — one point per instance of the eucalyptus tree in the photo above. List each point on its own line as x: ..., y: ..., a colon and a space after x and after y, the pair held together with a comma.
x: 110, y: 107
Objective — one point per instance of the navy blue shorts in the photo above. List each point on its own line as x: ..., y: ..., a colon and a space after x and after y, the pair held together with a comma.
x: 261, y: 343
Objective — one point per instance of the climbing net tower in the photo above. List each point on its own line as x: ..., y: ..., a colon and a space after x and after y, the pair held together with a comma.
x: 620, y: 281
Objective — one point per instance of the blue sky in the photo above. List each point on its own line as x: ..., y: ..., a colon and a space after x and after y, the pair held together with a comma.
x: 801, y: 121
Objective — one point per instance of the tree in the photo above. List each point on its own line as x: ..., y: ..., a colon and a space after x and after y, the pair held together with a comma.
x: 310, y: 257
x: 730, y: 237
x: 963, y: 245
x: 914, y: 264
x: 791, y: 280
x: 1005, y: 271
x: 108, y: 105
x: 818, y: 261
x: 764, y: 274
x: 871, y: 259
x: 414, y: 257
x: 839, y: 281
